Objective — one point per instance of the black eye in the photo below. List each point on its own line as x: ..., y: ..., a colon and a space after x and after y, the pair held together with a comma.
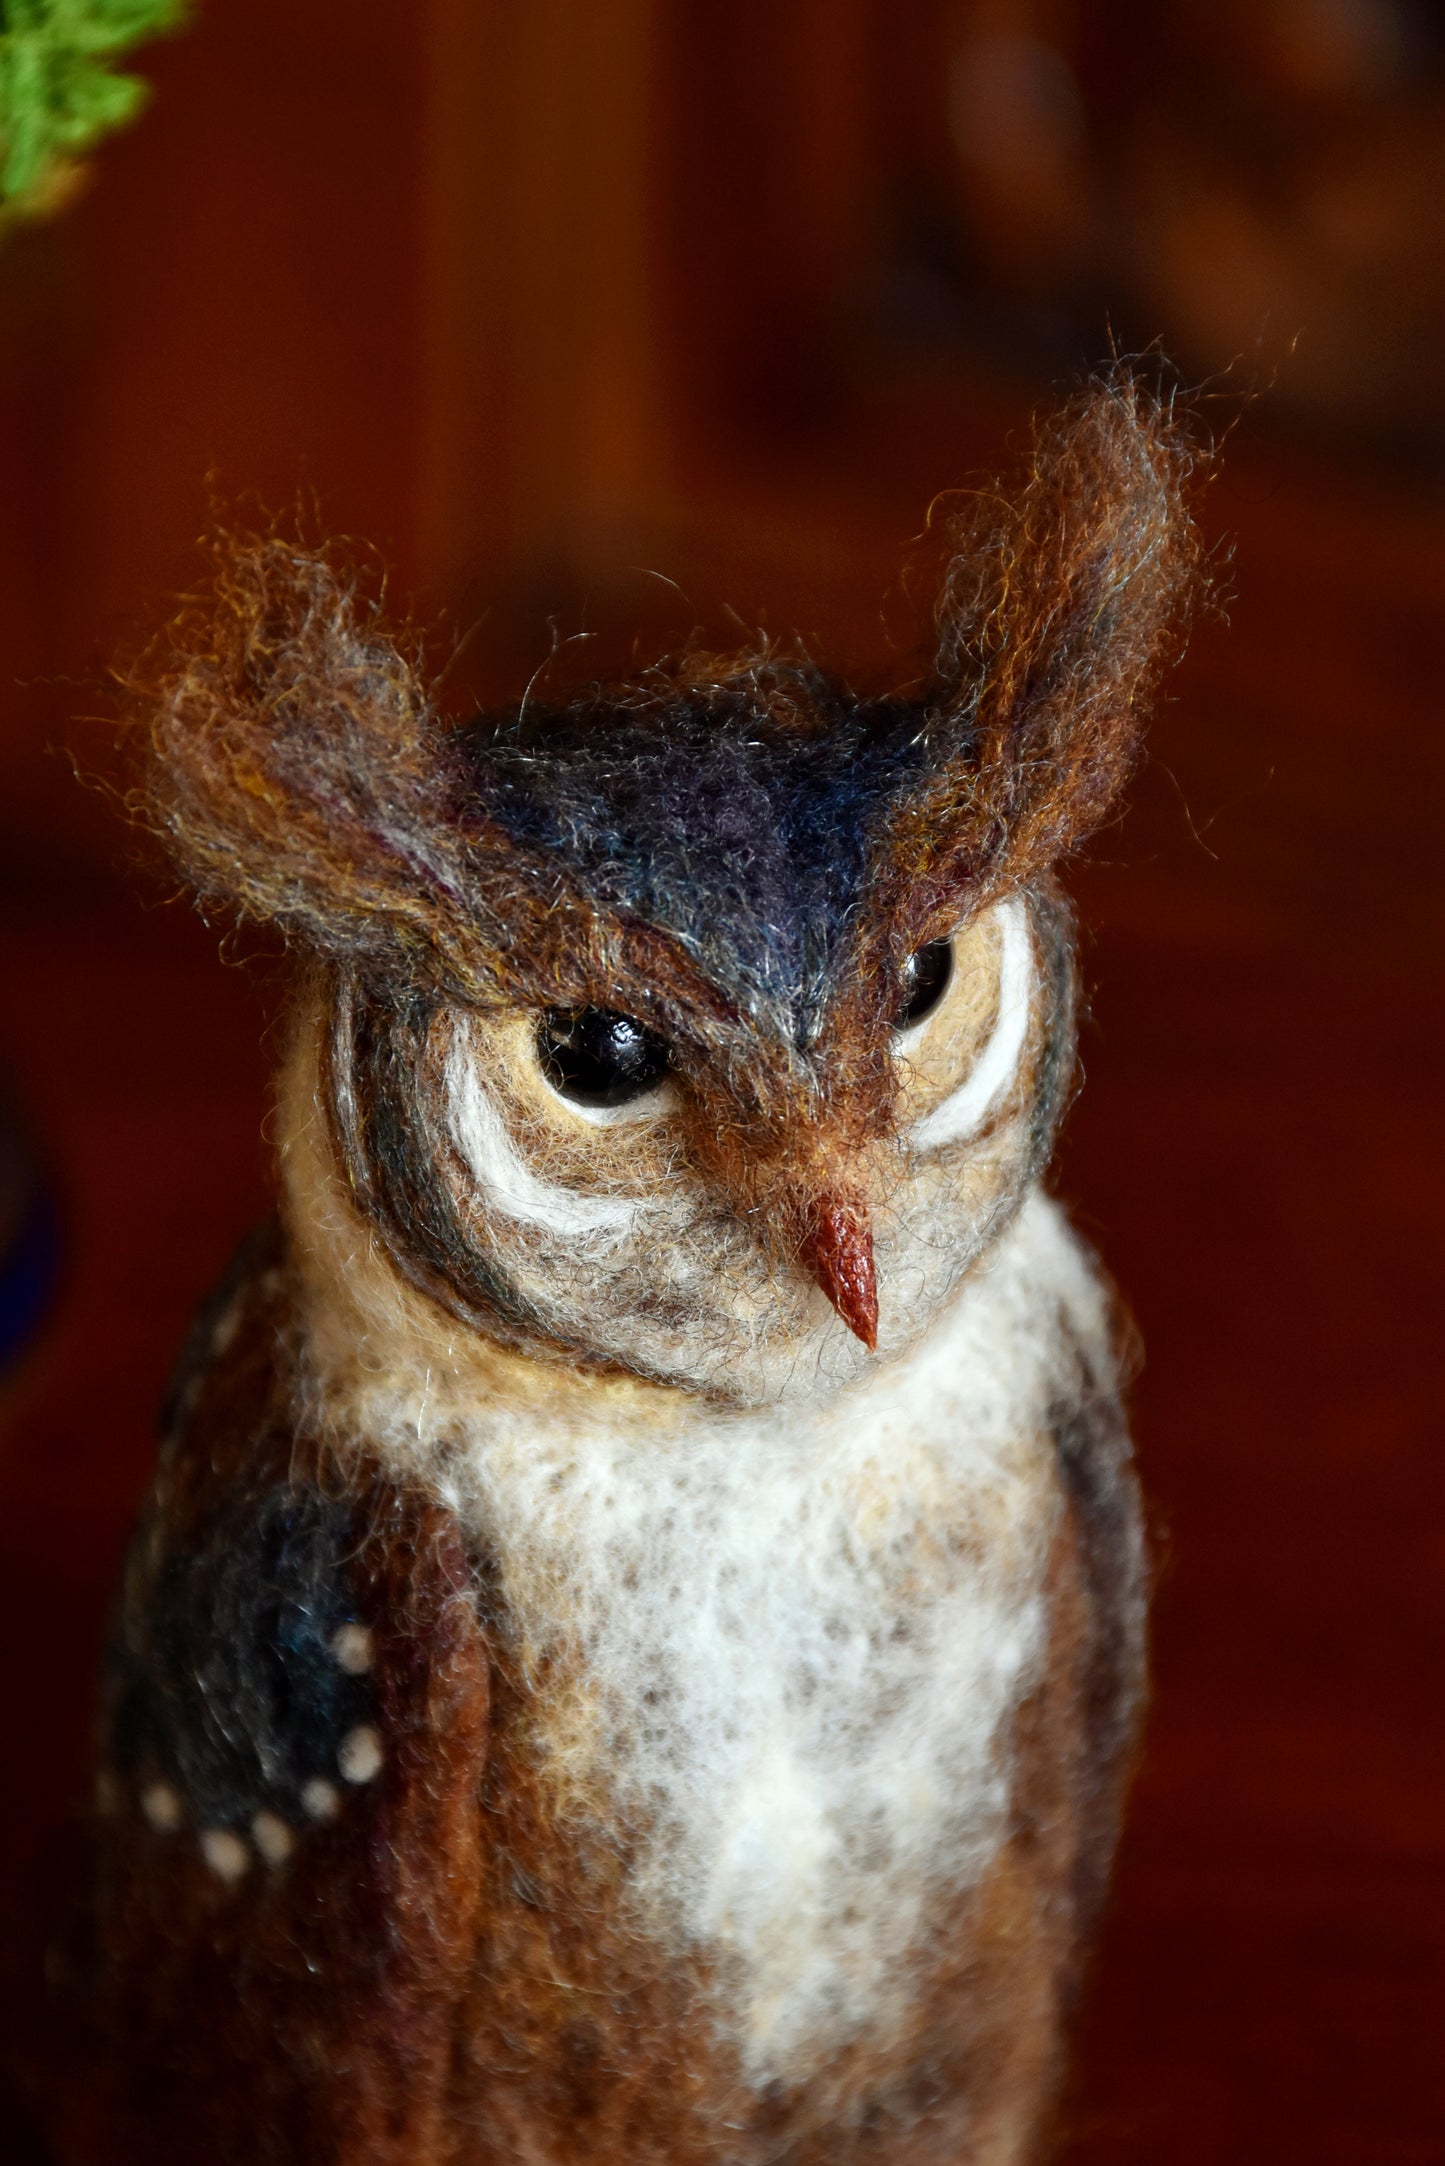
x: 925, y: 981
x: 599, y: 1058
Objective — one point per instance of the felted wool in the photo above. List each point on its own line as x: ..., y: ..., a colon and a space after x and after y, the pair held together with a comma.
x: 635, y: 1643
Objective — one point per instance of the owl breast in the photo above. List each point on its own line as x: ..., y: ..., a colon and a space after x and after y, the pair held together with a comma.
x: 776, y: 1658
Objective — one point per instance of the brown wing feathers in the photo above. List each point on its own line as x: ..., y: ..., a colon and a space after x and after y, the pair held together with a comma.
x: 286, y: 1898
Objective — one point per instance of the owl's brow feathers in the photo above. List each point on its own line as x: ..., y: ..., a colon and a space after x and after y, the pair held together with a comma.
x: 300, y: 773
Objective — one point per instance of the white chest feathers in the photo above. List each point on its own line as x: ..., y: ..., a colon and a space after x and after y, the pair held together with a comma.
x: 791, y: 1644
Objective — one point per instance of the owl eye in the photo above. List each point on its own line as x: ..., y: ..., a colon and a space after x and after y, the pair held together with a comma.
x: 925, y: 981
x: 597, y: 1057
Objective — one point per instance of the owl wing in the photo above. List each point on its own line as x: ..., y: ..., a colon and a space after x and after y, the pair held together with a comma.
x: 289, y: 1861
x: 1109, y: 1652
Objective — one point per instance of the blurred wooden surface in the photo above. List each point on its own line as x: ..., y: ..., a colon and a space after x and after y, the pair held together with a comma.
x: 262, y: 280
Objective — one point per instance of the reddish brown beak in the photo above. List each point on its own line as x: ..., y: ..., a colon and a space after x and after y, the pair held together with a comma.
x: 838, y: 1251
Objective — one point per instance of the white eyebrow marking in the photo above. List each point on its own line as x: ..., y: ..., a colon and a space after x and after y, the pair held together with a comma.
x: 964, y: 1111
x: 510, y: 1184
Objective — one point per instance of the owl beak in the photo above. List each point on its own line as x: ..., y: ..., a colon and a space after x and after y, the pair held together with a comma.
x: 838, y: 1250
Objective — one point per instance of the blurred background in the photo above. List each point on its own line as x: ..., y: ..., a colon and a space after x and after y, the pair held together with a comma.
x: 628, y: 316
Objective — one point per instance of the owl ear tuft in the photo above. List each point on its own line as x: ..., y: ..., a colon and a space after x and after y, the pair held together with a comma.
x: 1057, y: 614
x: 295, y: 769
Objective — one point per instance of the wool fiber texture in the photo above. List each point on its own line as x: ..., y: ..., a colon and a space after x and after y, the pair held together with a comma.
x: 636, y: 1641
x: 302, y: 775
x: 708, y: 1622
x: 741, y: 854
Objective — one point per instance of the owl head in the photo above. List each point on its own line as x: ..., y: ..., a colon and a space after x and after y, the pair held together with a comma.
x: 709, y: 1025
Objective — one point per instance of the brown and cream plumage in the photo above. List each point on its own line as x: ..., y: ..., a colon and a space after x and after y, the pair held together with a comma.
x: 634, y: 1645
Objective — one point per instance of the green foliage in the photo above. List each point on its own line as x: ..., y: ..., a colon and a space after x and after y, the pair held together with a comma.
x: 57, y: 92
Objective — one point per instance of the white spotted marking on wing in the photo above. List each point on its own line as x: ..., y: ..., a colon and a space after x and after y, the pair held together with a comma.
x: 510, y: 1184
x: 225, y: 1853
x: 352, y: 1647
x: 223, y: 1338
x: 963, y: 1112
x: 361, y: 1755
x: 161, y: 1807
x: 272, y: 1838
x: 320, y: 1800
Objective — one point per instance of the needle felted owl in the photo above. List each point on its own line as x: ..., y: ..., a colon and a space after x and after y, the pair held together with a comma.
x: 633, y: 1647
